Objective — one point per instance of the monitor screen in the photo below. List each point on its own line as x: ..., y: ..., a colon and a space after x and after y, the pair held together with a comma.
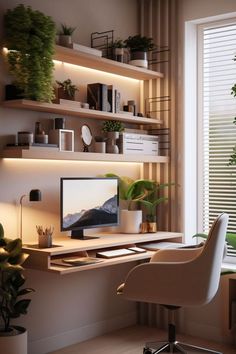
x: 88, y: 202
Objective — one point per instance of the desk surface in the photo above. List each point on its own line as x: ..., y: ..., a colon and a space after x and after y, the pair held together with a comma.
x: 41, y: 258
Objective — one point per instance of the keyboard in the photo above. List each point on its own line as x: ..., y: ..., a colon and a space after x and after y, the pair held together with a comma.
x: 115, y: 253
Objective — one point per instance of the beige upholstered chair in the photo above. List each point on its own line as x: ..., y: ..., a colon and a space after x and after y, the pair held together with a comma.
x: 176, y: 278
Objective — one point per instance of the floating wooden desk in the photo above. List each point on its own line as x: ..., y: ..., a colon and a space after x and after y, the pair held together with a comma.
x: 65, y: 247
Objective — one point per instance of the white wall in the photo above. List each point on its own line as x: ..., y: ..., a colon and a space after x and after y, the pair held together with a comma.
x: 207, y: 321
x: 65, y: 309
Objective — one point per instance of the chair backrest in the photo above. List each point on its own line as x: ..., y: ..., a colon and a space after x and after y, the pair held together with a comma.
x: 210, y: 259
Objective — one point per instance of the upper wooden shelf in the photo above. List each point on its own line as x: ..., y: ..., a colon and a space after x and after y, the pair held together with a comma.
x: 91, y: 61
x: 75, y: 111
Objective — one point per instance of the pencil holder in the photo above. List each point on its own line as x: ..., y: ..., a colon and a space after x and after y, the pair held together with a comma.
x: 44, y: 236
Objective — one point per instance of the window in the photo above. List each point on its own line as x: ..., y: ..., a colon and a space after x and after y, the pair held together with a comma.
x: 216, y: 131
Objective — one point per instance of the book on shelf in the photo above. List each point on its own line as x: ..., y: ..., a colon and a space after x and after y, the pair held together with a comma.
x: 97, y: 96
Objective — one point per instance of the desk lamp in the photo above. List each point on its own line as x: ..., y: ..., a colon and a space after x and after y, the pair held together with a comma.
x: 34, y: 196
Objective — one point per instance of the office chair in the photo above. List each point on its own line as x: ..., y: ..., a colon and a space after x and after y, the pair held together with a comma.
x: 175, y: 278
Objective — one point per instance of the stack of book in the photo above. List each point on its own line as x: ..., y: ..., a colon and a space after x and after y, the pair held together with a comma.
x: 103, y: 97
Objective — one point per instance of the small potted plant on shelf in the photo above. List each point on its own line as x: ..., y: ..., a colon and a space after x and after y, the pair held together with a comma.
x: 65, y: 35
x: 118, y: 47
x: 139, y: 46
x: 132, y: 192
x: 30, y: 52
x: 112, y: 128
x: 13, y: 339
x: 66, y: 90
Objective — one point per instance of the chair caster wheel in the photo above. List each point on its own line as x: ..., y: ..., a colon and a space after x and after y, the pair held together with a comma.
x: 147, y: 351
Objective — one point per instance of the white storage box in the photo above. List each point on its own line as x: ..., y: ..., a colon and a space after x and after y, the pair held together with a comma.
x: 131, y: 143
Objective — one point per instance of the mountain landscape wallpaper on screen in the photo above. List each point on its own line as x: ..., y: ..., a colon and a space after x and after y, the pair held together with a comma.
x: 107, y: 213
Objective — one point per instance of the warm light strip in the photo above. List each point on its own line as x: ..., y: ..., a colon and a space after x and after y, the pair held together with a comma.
x: 49, y: 161
x: 93, y: 71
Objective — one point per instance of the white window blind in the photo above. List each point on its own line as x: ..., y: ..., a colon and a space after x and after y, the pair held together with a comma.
x: 217, y: 133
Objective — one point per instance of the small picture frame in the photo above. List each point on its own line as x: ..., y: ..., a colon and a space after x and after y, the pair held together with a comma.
x: 64, y: 138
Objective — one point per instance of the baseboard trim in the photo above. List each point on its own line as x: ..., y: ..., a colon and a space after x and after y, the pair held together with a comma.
x: 46, y: 345
x: 204, y: 331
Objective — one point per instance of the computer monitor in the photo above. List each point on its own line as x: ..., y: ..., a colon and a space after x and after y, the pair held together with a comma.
x: 88, y: 202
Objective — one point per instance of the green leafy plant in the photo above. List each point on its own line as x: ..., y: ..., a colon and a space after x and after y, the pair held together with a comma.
x: 66, y: 31
x: 112, y: 126
x: 132, y: 191
x: 230, y: 239
x: 139, y: 43
x: 232, y: 159
x: 30, y: 37
x: 152, y: 199
x: 68, y: 87
x: 118, y: 43
x: 12, y: 280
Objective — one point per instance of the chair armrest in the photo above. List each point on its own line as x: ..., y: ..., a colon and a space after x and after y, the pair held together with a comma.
x: 176, y: 255
x: 164, y: 283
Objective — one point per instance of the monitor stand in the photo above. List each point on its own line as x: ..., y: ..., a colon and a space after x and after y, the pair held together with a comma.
x: 79, y: 235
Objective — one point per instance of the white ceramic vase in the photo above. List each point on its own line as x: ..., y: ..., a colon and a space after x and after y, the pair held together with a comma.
x: 14, y: 344
x: 111, y: 147
x: 130, y: 221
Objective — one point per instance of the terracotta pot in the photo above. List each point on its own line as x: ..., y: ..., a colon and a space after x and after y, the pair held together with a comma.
x: 144, y: 227
x: 15, y: 342
x: 152, y: 227
x: 65, y: 40
x: 64, y: 95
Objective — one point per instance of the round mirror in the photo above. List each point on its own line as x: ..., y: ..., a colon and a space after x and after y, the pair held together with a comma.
x: 86, y: 136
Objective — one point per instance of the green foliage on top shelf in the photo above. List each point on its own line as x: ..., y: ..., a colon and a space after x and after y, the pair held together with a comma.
x: 11, y: 281
x: 112, y: 126
x: 30, y: 38
x: 139, y: 43
x: 66, y: 31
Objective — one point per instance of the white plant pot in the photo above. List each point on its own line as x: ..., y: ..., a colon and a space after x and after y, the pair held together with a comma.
x: 130, y: 221
x: 14, y: 344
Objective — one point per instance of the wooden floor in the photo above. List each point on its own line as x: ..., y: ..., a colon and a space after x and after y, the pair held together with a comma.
x: 131, y: 340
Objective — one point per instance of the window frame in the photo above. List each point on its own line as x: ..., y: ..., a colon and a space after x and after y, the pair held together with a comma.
x: 193, y: 107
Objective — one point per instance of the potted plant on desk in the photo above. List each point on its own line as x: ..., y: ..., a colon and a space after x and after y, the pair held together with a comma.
x: 132, y: 192
x: 13, y: 339
x: 150, y: 203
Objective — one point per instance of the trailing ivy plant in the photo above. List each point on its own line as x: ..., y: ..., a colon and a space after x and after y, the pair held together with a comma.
x: 30, y: 38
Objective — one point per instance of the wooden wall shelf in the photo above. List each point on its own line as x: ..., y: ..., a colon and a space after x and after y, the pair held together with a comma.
x: 71, y: 56
x: 79, y: 112
x: 53, y: 154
